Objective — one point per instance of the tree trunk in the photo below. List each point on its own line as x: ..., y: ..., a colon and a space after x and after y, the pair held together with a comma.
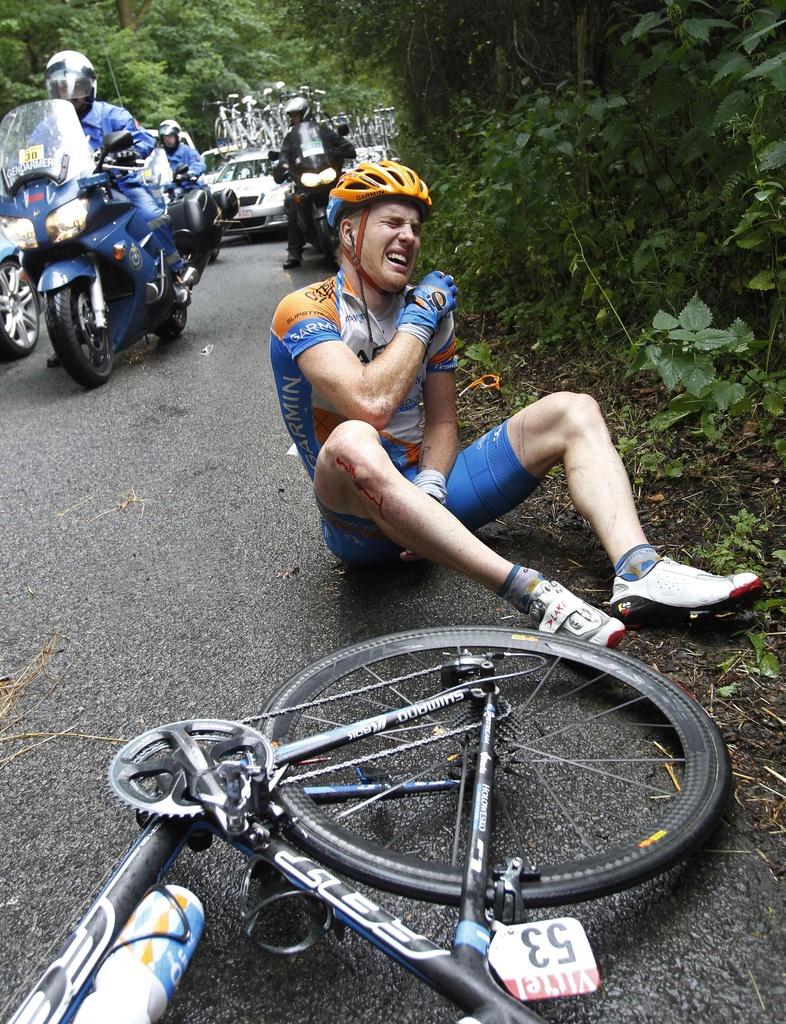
x: 129, y: 16
x: 590, y: 22
x: 582, y: 51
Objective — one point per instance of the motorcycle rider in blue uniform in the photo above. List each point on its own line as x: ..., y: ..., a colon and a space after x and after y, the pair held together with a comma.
x: 70, y: 76
x: 179, y: 153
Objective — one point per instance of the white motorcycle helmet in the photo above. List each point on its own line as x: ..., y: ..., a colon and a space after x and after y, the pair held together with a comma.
x: 69, y: 75
x: 169, y: 127
x: 298, y: 105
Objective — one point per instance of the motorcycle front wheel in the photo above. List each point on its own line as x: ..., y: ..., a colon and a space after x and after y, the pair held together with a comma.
x: 82, y: 346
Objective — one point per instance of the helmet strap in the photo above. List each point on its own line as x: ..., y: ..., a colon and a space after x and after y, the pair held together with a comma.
x: 355, y: 254
x: 83, y: 104
x: 355, y: 257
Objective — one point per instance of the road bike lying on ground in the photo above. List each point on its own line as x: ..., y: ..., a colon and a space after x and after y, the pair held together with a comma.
x: 474, y: 767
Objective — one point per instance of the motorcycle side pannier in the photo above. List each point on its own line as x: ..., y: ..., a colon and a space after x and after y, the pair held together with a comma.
x: 195, y: 220
x: 228, y: 203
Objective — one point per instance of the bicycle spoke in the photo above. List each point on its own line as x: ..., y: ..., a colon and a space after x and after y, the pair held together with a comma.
x: 460, y: 804
x: 558, y: 801
x: 416, y: 674
x: 549, y: 673
x: 556, y: 759
x: 593, y: 718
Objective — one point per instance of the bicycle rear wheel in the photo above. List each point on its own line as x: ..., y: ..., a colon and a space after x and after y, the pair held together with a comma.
x: 606, y: 773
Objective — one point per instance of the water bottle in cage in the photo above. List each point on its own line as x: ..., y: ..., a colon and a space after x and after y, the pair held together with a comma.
x: 139, y: 975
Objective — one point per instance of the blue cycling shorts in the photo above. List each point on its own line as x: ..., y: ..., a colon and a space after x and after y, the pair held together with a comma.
x: 487, y: 480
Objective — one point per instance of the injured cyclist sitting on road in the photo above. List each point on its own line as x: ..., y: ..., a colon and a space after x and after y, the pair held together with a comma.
x: 365, y: 371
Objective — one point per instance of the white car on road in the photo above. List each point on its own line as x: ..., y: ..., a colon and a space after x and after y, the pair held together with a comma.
x: 19, y: 305
x: 261, y: 199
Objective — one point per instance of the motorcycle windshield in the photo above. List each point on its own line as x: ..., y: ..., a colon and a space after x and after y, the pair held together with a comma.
x: 157, y: 170
x: 42, y: 140
x: 308, y: 149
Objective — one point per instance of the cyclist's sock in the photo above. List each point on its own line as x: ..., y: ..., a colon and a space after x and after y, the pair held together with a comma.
x: 637, y: 562
x: 518, y: 587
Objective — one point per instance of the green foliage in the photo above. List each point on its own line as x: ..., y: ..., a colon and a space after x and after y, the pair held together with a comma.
x: 436, y: 52
x: 729, y: 690
x: 738, y: 548
x: 180, y: 58
x: 714, y: 372
x: 690, y: 355
x: 643, y: 458
x: 766, y: 662
x: 480, y: 352
x: 741, y: 547
x: 575, y: 212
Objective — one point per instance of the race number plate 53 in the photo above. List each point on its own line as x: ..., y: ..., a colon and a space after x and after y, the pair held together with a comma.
x: 543, y: 959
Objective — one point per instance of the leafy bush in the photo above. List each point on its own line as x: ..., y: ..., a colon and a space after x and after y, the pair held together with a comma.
x: 738, y: 548
x: 714, y: 371
x: 579, y: 211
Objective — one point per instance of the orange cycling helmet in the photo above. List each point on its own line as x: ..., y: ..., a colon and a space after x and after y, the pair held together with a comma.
x: 385, y: 179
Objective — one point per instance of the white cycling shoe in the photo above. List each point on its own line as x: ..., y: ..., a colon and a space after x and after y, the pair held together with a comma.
x: 671, y: 592
x: 557, y: 610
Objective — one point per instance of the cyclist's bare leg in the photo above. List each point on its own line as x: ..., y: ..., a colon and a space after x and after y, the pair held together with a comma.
x: 562, y: 428
x: 569, y: 429
x: 355, y: 476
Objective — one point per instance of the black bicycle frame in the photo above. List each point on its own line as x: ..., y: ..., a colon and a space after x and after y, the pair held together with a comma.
x: 461, y: 975
x: 66, y: 982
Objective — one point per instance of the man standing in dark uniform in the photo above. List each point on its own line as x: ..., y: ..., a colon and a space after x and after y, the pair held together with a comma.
x: 338, y: 149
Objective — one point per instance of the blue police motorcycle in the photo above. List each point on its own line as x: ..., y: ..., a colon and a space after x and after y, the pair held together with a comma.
x: 84, y: 244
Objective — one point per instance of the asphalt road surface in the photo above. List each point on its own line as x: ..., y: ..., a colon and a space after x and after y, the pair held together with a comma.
x: 161, y: 556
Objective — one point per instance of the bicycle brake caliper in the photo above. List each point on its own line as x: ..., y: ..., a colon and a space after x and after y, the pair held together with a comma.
x: 466, y: 667
x: 508, y: 902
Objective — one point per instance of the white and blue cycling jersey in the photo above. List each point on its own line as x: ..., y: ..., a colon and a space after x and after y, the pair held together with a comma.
x: 331, y: 311
x: 486, y: 480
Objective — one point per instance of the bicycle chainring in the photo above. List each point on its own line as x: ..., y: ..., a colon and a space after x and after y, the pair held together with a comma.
x: 160, y: 771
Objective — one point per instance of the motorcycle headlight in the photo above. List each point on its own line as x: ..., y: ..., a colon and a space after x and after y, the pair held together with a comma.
x: 312, y: 180
x: 67, y: 221
x: 19, y: 231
